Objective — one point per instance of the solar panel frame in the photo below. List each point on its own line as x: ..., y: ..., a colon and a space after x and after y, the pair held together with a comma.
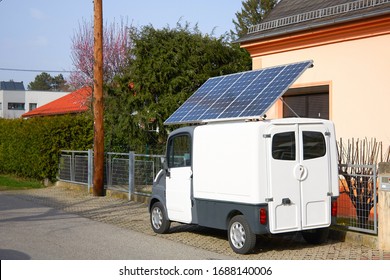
x: 238, y: 96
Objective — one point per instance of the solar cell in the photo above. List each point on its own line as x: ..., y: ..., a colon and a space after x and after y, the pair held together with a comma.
x: 212, y: 98
x: 238, y: 96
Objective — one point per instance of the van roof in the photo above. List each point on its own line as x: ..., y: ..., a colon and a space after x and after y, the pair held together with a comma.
x: 274, y: 121
x: 298, y: 120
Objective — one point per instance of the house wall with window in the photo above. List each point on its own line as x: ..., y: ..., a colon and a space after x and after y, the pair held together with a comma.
x: 35, y: 99
x: 14, y: 103
x: 349, y: 82
x: 356, y: 77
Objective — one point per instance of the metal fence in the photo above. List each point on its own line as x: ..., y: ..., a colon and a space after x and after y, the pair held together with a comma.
x: 357, y: 203
x: 75, y: 167
x: 123, y: 172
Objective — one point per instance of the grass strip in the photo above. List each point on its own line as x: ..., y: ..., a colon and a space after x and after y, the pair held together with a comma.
x: 11, y: 182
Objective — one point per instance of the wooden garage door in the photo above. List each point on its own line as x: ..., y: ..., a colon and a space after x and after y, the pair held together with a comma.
x: 315, y: 105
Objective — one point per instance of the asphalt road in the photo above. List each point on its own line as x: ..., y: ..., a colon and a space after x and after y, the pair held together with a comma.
x: 67, y: 222
x: 29, y: 230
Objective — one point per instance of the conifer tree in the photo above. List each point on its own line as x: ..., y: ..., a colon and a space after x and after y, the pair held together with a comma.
x: 252, y: 13
x: 166, y: 67
x: 45, y: 81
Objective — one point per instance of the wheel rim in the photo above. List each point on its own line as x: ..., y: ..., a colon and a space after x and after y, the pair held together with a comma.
x: 237, y: 235
x: 157, y: 218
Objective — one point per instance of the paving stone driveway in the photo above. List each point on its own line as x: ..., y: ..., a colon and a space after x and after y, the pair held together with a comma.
x: 134, y: 215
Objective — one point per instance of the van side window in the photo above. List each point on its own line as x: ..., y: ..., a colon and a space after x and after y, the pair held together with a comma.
x: 283, y: 146
x: 313, y: 145
x: 179, y: 151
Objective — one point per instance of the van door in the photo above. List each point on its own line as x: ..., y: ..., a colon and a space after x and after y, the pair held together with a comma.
x: 179, y: 178
x: 315, y: 182
x: 298, y: 177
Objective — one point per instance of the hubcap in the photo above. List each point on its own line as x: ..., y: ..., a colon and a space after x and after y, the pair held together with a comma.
x: 157, y: 218
x: 237, y: 235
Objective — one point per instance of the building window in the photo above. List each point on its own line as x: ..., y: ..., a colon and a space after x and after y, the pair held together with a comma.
x: 310, y: 102
x: 1, y: 106
x: 15, y: 106
x: 32, y: 106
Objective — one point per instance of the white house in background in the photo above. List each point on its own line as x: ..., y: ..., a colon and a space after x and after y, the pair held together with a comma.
x: 15, y: 100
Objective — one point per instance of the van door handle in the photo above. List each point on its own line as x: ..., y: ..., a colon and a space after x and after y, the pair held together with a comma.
x: 286, y: 201
x: 300, y: 172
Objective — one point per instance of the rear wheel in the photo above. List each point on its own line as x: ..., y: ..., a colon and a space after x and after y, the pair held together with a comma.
x: 241, y: 238
x: 158, y: 219
x: 316, y: 236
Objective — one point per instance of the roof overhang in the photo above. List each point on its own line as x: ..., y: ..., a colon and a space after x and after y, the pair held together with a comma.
x: 318, y: 35
x: 314, y: 24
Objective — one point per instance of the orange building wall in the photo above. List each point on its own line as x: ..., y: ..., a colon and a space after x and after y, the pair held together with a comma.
x: 354, y: 61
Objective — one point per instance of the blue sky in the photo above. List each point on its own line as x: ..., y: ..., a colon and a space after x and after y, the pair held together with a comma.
x: 36, y: 34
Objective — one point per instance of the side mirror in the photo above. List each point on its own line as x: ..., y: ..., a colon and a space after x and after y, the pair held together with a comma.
x: 164, y: 163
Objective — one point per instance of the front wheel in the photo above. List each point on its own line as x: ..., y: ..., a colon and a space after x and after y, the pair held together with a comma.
x: 158, y: 220
x: 241, y: 238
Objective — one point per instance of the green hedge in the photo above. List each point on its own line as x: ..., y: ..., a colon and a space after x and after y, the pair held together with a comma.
x: 31, y: 148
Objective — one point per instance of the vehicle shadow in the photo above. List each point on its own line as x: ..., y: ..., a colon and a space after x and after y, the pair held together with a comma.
x: 6, y: 254
x: 264, y: 243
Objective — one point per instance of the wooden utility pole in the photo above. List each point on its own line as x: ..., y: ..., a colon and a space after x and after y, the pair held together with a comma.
x: 98, y: 159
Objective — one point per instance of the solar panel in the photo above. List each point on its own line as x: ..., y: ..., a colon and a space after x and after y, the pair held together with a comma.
x: 238, y: 96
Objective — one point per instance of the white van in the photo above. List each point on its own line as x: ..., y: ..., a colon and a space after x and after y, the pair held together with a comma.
x: 249, y: 178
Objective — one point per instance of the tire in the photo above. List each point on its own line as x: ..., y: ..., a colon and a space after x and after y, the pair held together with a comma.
x: 158, y: 220
x: 241, y: 238
x: 316, y: 236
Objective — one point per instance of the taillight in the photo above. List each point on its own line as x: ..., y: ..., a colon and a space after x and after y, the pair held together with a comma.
x: 263, y: 216
x: 334, y: 208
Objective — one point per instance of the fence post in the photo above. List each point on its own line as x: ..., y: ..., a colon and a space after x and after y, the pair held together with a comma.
x: 375, y: 185
x: 72, y: 167
x: 384, y: 206
x: 90, y: 169
x: 109, y: 171
x: 131, y: 173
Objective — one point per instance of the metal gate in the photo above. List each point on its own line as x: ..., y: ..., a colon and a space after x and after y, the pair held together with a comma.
x: 357, y: 203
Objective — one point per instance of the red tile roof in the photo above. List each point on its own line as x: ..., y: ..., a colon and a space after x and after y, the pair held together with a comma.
x: 74, y: 102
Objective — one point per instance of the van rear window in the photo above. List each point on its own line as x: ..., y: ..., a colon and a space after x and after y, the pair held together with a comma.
x: 283, y: 146
x: 313, y: 145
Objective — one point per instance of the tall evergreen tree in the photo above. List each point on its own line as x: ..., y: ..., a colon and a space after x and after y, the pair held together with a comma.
x: 167, y: 66
x: 45, y: 81
x: 252, y: 13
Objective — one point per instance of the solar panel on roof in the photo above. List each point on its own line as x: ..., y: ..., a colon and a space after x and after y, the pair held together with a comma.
x: 238, y: 96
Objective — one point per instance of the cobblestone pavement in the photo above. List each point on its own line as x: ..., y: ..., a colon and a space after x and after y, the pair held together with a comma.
x: 134, y: 215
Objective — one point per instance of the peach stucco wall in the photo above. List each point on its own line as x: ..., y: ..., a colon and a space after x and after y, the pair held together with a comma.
x: 358, y: 75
